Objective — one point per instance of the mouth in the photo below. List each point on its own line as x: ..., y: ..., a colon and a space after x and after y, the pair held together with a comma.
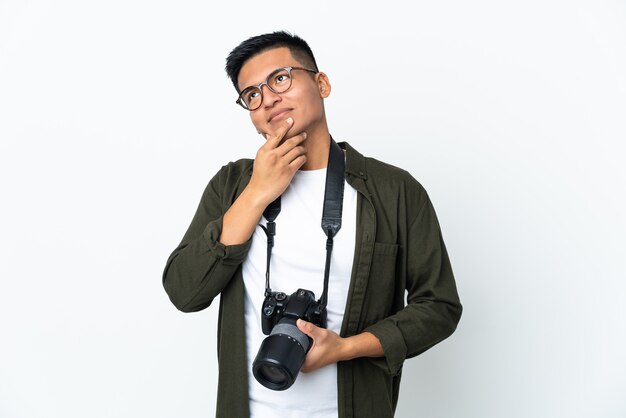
x: 278, y: 115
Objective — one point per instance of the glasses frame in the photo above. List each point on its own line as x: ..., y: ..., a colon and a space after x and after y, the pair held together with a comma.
x: 242, y: 103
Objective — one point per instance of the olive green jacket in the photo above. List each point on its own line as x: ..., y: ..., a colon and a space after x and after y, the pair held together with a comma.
x: 398, y: 248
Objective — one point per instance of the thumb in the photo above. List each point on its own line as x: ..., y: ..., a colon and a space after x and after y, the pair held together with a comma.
x: 307, y: 327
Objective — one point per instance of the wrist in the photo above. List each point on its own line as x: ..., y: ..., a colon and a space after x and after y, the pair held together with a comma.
x: 241, y: 218
x: 256, y: 197
x: 349, y: 348
x: 364, y: 344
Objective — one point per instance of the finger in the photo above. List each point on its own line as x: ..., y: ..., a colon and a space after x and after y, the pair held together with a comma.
x: 306, y: 367
x: 274, y: 138
x: 294, y: 153
x: 291, y: 143
x: 307, y: 327
x: 297, y: 163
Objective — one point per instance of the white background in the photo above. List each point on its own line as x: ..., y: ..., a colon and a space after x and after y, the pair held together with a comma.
x: 115, y: 114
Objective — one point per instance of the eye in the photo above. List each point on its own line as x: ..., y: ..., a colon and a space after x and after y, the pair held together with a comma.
x: 281, y: 78
x: 251, y: 94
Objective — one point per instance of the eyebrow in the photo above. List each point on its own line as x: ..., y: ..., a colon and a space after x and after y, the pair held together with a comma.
x: 267, y: 76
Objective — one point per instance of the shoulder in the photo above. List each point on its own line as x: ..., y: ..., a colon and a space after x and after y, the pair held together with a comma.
x: 229, y: 178
x: 240, y: 166
x: 234, y: 170
x: 388, y: 173
x: 380, y: 175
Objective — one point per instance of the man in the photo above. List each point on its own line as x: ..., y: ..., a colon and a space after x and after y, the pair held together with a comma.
x: 389, y: 244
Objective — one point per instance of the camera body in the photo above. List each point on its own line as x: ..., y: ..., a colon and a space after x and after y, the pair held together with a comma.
x: 300, y: 305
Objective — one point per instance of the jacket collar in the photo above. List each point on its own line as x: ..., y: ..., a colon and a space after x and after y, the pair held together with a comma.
x: 355, y: 161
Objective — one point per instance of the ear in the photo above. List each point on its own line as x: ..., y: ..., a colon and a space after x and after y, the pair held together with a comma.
x: 323, y: 84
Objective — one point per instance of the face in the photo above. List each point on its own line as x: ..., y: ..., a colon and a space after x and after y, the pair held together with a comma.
x: 303, y: 102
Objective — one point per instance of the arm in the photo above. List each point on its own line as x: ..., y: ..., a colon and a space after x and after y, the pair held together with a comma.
x: 200, y: 267
x: 328, y: 347
x: 433, y: 308
x: 218, y: 238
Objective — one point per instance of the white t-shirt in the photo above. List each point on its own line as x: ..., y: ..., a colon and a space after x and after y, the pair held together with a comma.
x: 298, y: 260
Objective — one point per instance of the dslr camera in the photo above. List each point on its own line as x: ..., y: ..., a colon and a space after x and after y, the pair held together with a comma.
x: 282, y: 353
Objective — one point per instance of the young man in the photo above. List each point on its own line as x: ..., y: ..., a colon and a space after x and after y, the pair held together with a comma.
x: 389, y: 244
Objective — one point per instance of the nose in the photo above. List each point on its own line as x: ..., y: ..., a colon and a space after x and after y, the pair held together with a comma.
x: 269, y: 97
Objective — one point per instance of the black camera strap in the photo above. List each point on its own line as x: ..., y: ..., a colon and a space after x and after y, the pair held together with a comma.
x: 331, y: 214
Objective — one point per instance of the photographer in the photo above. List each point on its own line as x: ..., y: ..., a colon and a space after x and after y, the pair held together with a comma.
x: 386, y: 242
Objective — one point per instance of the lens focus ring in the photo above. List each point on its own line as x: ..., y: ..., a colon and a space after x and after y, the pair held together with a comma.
x: 292, y: 331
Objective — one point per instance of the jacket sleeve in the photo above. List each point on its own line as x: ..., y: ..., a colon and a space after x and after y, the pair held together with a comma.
x: 433, y: 308
x: 201, y: 267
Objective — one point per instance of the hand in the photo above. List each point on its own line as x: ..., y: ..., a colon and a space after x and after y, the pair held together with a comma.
x: 328, y: 347
x: 276, y: 163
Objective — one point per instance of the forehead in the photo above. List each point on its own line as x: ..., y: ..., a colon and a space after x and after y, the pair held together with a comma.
x: 256, y: 69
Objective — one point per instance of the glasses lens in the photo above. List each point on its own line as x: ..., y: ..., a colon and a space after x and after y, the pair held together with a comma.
x: 280, y: 80
x: 251, y: 97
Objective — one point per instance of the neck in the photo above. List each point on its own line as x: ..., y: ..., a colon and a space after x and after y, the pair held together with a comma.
x: 317, y: 144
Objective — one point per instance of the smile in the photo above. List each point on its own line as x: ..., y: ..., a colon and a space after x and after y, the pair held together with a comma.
x: 279, y: 114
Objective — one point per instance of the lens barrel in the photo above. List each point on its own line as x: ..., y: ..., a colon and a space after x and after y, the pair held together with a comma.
x: 281, y: 356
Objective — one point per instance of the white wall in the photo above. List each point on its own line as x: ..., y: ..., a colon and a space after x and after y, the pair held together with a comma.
x: 114, y: 115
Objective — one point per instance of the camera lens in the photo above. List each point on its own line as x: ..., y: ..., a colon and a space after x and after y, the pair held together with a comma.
x: 273, y: 374
x: 281, y: 356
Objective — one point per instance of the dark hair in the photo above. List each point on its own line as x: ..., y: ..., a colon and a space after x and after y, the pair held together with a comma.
x: 298, y: 48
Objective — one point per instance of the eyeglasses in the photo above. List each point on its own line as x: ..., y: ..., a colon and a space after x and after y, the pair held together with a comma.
x: 279, y: 81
